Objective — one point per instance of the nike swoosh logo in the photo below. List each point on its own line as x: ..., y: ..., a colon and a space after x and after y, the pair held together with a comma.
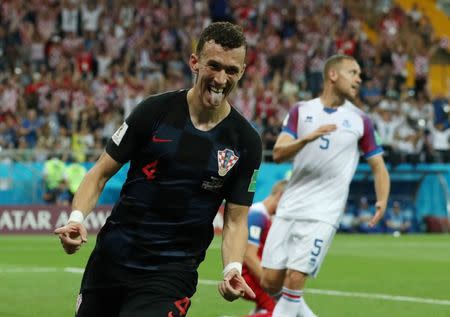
x: 158, y: 140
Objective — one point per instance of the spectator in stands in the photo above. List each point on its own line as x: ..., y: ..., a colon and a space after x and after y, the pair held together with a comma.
x: 63, y: 196
x: 349, y: 222
x: 397, y: 220
x: 269, y: 136
x: 386, y: 123
x: 421, y: 110
x: 73, y: 175
x: 53, y: 174
x: 422, y: 56
x: 364, y: 213
x: 409, y: 141
x: 3, y: 44
x: 440, y: 142
x: 127, y: 51
x: 415, y: 15
x: 29, y: 127
x: 399, y: 59
x: 371, y: 92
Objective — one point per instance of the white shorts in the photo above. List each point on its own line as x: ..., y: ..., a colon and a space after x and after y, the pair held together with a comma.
x: 299, y: 245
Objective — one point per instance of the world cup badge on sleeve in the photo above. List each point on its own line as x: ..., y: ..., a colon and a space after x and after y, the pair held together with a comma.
x: 226, y: 160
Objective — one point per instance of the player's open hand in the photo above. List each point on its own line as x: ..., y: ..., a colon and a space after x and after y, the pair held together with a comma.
x: 234, y: 286
x: 72, y: 236
x: 380, y: 208
x: 322, y: 130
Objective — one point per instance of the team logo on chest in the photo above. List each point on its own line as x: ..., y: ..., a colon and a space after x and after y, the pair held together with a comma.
x: 346, y: 124
x: 226, y: 160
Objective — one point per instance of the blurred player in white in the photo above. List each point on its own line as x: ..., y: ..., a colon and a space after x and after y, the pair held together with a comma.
x: 324, y: 136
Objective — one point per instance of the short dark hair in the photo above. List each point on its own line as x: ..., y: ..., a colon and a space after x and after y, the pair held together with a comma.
x: 333, y: 61
x: 226, y: 34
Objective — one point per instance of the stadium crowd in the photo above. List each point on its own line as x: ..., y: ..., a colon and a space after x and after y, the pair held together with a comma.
x: 71, y: 70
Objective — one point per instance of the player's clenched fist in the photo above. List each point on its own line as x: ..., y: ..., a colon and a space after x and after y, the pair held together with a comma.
x: 72, y: 236
x: 234, y: 286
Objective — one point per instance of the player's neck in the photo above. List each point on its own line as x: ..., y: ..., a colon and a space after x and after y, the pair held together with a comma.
x: 330, y: 99
x: 203, y: 118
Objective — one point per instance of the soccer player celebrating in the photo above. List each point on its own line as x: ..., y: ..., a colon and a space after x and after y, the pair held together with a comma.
x: 188, y: 151
x: 324, y: 136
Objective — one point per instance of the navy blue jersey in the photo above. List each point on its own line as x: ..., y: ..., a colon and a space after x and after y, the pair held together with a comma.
x: 178, y: 178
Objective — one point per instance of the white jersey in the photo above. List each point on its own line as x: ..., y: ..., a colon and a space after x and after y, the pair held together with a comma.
x: 323, y: 169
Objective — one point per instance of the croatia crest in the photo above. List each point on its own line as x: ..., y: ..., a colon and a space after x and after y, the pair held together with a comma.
x: 226, y: 160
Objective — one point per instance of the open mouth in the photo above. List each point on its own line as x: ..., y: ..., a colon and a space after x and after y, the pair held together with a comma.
x: 217, y: 94
x: 215, y: 90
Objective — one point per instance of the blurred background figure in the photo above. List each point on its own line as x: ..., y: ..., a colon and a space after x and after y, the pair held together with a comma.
x: 397, y: 219
x: 349, y: 221
x: 364, y: 212
x: 73, y: 175
x: 53, y: 175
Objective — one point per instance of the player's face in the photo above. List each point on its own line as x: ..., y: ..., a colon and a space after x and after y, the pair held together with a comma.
x: 218, y: 71
x: 349, y: 79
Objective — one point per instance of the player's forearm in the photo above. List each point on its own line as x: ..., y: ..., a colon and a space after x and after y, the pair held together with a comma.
x: 234, y: 242
x: 382, y: 183
x: 285, y: 151
x: 88, y: 192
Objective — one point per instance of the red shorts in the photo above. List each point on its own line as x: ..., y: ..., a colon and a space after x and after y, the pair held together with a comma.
x: 262, y: 299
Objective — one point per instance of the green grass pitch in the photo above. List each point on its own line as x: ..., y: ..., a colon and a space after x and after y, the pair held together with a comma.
x: 367, y: 276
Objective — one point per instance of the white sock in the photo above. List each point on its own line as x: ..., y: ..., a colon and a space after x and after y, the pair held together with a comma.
x: 304, y: 310
x: 288, y: 304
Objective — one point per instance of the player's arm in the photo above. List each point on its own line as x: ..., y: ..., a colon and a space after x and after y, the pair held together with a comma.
x: 234, y: 242
x: 73, y: 234
x: 239, y: 197
x: 93, y: 183
x: 235, y: 233
x: 252, y: 261
x: 382, y: 187
x: 287, y: 146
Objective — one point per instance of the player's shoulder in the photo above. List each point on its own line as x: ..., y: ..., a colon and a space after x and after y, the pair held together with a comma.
x: 304, y: 104
x: 309, y: 105
x: 351, y: 109
x: 243, y: 127
x: 165, y: 101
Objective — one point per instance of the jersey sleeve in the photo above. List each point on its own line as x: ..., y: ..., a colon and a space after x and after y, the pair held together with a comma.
x: 290, y: 123
x: 242, y: 188
x: 130, y: 135
x: 256, y: 224
x: 368, y: 143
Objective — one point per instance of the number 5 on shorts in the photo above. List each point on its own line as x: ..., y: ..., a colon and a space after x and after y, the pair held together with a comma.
x: 317, y: 247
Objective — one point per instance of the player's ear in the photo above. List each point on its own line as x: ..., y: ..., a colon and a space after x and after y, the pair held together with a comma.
x: 193, y: 63
x: 333, y: 74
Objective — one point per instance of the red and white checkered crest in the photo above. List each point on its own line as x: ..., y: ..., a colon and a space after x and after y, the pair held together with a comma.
x: 226, y: 160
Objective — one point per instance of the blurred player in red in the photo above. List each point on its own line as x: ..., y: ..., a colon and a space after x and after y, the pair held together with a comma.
x: 259, y: 221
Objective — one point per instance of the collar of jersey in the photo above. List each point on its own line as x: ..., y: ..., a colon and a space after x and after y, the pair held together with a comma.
x: 329, y: 110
